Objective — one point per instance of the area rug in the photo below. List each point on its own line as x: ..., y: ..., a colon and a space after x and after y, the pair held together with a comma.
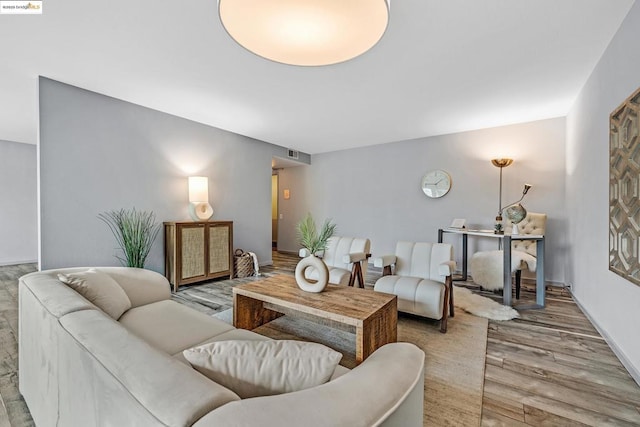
x: 482, y: 306
x: 454, y: 366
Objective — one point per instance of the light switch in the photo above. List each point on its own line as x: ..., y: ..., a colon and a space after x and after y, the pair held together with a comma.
x: 281, y: 216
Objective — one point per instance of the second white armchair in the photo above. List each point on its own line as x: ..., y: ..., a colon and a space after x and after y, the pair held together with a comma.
x: 421, y: 279
x: 346, y: 259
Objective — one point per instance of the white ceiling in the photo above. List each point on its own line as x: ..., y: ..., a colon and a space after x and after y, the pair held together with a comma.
x: 443, y: 66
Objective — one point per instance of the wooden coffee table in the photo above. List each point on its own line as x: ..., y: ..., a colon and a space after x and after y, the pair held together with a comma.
x: 373, y: 315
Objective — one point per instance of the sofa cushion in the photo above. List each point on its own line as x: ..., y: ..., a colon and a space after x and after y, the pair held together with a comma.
x: 172, y: 327
x: 100, y: 289
x: 234, y: 334
x: 261, y: 368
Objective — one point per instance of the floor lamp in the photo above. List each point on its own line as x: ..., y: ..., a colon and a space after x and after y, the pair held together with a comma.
x: 500, y: 163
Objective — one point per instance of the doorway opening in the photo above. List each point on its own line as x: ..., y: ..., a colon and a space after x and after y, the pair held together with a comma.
x: 274, y: 210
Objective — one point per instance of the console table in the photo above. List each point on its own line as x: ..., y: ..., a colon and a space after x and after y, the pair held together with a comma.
x: 506, y: 245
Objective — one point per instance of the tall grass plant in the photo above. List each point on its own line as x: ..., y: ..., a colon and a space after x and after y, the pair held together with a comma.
x: 135, y: 231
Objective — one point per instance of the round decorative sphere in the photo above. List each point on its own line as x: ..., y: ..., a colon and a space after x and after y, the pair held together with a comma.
x: 316, y: 264
x: 515, y: 213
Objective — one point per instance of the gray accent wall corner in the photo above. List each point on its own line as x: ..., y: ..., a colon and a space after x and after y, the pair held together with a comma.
x: 18, y: 192
x: 99, y: 153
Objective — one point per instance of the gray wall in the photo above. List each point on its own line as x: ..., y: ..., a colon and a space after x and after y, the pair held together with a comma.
x: 294, y: 209
x: 98, y: 153
x: 18, y: 212
x: 375, y: 191
x: 611, y: 301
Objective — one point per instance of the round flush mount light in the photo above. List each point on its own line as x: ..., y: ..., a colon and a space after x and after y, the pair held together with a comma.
x: 305, y: 32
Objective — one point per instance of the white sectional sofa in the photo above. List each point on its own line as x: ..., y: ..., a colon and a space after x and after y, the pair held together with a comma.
x: 80, y: 367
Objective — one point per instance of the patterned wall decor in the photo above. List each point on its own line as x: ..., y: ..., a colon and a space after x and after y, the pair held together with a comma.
x: 624, y: 189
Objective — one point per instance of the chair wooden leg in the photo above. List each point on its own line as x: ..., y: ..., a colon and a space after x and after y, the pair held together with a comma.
x: 353, y: 275
x: 518, y: 280
x: 356, y: 273
x: 445, y: 308
x: 386, y: 271
x: 451, y: 311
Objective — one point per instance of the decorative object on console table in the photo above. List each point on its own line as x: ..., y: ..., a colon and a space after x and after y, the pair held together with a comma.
x: 515, y: 212
x: 624, y: 200
x: 135, y: 232
x: 313, y: 242
x: 199, y: 207
x: 198, y: 251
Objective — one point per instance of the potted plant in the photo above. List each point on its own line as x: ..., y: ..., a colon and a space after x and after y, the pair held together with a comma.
x: 313, y: 242
x: 135, y: 231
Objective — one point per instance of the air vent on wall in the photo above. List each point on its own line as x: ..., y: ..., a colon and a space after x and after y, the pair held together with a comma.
x: 292, y: 154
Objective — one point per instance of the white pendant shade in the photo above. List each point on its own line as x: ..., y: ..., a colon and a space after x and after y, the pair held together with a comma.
x: 305, y: 32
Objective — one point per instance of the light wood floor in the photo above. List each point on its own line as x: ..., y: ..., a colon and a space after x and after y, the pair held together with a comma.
x: 548, y: 368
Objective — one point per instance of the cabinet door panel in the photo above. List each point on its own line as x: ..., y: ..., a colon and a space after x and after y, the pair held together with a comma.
x: 193, y: 245
x: 218, y: 249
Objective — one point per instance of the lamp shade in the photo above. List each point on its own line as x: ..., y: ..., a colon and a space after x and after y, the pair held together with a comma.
x: 198, y: 189
x: 305, y: 32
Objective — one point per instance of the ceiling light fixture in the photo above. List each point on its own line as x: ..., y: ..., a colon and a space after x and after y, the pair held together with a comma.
x: 305, y: 32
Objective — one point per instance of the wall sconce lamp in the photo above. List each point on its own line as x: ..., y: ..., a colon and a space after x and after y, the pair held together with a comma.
x: 199, y: 207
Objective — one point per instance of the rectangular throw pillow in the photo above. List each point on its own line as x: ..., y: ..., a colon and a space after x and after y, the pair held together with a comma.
x: 264, y: 368
x: 100, y: 289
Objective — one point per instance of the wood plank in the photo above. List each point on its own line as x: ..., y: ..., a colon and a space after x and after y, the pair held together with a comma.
x: 502, y: 349
x: 575, y: 377
x: 563, y: 343
x: 503, y: 400
x: 14, y: 405
x: 543, y: 411
x: 560, y: 393
x: 491, y: 418
x: 538, y: 417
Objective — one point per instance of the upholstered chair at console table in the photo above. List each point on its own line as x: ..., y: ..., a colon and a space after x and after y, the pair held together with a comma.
x: 487, y: 266
x: 346, y: 259
x: 421, y: 279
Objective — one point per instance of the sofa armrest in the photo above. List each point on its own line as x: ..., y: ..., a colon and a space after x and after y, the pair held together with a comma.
x: 399, y: 366
x: 355, y: 257
x: 447, y: 268
x: 384, y: 261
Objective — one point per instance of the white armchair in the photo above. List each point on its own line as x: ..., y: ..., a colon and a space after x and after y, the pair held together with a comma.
x: 346, y: 259
x: 421, y: 280
x: 487, y: 266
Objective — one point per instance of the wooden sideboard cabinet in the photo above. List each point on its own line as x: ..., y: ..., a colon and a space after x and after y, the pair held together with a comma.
x: 197, y: 251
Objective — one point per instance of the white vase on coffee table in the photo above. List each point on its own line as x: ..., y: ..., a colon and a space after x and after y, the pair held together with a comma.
x: 317, y: 264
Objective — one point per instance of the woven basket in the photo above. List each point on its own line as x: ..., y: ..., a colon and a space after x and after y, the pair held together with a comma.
x: 242, y: 264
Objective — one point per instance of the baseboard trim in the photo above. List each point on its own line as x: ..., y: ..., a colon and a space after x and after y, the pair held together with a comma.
x: 8, y: 263
x: 288, y: 252
x: 633, y: 371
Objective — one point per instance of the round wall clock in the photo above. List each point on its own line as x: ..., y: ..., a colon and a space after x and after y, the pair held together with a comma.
x: 436, y: 183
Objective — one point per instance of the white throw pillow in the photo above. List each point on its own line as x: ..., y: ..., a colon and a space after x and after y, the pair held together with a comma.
x: 263, y: 368
x: 100, y: 289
